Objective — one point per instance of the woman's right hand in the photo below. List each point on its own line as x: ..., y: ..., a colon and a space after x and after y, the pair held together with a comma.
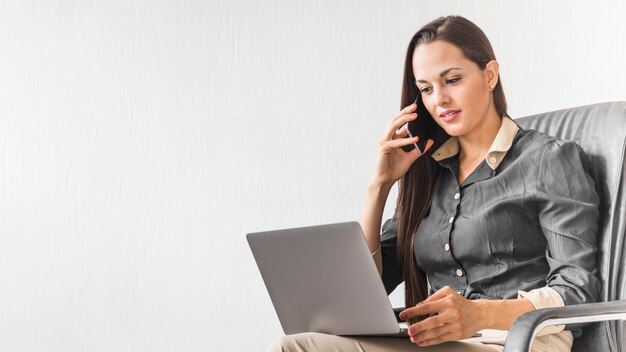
x: 393, y: 162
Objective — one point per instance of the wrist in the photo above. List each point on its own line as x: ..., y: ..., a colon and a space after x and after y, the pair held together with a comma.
x: 501, y: 314
x: 485, y: 313
x: 376, y: 186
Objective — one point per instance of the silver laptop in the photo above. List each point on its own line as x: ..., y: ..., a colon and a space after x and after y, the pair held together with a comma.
x: 323, y: 279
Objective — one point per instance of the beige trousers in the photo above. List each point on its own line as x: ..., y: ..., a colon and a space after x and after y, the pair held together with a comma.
x: 491, y: 341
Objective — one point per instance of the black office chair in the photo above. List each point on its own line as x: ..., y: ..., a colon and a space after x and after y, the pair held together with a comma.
x: 600, y: 129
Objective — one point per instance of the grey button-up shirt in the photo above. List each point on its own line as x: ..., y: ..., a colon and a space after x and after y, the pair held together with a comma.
x: 525, y: 218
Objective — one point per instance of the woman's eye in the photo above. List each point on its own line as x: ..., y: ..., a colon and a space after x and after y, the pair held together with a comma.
x: 453, y: 80
x: 425, y: 90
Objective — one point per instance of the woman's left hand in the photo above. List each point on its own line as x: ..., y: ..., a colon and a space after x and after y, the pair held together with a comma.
x: 457, y: 318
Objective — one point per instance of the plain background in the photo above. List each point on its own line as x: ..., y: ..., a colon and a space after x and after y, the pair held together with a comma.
x: 141, y: 140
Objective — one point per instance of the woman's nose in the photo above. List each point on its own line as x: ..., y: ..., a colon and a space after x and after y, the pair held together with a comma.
x: 441, y: 98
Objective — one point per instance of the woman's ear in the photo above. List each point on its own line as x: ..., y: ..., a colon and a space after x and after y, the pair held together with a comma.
x: 491, y: 73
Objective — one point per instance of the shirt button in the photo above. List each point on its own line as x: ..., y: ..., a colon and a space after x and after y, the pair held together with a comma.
x: 451, y: 220
x: 459, y: 272
x: 492, y: 160
x: 446, y: 247
x: 457, y: 195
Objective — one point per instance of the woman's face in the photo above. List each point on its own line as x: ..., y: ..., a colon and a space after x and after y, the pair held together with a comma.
x: 454, y: 89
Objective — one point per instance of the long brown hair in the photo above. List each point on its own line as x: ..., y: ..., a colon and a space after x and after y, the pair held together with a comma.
x: 416, y: 186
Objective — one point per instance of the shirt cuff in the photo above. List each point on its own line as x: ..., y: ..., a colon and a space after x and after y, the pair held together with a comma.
x: 378, y: 260
x: 544, y: 297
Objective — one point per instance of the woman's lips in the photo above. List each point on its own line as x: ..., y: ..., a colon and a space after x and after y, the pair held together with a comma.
x: 450, y: 117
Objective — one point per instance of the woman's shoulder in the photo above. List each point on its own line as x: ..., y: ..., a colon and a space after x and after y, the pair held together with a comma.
x: 542, y: 143
x: 534, y: 137
x: 542, y: 146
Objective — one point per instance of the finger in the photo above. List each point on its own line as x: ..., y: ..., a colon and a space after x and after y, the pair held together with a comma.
x: 400, y: 142
x: 400, y: 119
x: 407, y: 110
x: 424, y: 308
x: 429, y: 144
x: 397, y: 123
x: 402, y: 131
x: 449, y: 336
x: 435, y: 303
x: 432, y: 333
x: 410, y: 312
x: 390, y: 146
x: 427, y: 324
x: 413, y: 312
x: 441, y: 293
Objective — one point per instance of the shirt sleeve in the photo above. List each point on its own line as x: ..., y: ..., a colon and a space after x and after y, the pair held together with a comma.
x: 391, y: 274
x: 568, y: 216
x: 544, y: 297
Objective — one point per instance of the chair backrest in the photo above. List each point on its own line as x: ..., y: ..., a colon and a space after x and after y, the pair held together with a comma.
x: 600, y: 129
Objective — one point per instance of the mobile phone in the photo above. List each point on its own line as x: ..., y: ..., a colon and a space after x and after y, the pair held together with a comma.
x: 423, y: 127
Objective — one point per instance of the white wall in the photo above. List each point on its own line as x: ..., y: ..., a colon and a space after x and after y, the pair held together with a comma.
x: 141, y: 140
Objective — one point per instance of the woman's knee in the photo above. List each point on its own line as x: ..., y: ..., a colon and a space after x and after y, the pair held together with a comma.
x: 285, y: 343
x: 295, y: 343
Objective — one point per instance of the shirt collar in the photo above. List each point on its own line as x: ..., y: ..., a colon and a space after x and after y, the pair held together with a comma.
x: 500, y: 146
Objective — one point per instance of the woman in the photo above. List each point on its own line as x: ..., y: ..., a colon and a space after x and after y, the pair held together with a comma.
x: 492, y: 221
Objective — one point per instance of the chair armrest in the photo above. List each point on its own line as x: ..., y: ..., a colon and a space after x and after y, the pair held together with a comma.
x: 527, y: 326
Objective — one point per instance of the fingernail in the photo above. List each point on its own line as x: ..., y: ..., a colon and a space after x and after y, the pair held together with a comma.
x: 402, y: 316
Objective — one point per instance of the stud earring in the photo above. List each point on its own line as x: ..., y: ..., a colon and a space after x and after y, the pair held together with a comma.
x: 492, y: 87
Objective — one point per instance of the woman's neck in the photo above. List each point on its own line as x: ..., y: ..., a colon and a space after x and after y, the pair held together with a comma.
x: 475, y: 144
